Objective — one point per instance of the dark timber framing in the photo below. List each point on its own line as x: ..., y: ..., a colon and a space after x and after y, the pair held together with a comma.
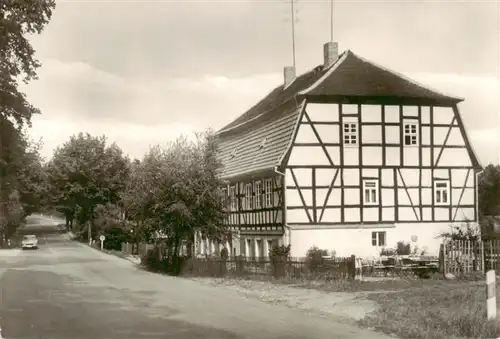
x: 399, y: 183
x: 342, y: 165
x: 431, y: 150
x: 319, y: 139
x: 360, y: 162
x: 258, y: 221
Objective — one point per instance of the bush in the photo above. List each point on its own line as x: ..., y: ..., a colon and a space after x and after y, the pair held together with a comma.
x: 154, y: 261
x: 115, y: 236
x: 314, y: 258
x: 402, y: 248
x: 151, y: 260
x: 279, y: 255
x: 280, y: 251
x: 224, y: 253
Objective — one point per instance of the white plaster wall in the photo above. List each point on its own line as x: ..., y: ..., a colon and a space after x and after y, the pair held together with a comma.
x: 359, y: 241
x: 372, y: 134
x: 408, y: 195
x: 323, y: 112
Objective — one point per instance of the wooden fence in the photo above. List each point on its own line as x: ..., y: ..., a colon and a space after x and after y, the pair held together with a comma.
x: 136, y: 249
x: 240, y: 266
x: 463, y: 257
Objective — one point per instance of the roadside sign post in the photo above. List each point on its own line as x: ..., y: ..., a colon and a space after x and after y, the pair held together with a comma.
x: 491, y: 299
x: 102, y: 238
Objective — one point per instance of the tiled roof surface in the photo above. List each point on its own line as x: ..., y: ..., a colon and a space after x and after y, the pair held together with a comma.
x: 272, y: 102
x: 259, y: 148
x: 356, y: 76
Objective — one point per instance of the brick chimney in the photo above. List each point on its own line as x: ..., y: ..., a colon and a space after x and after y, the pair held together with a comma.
x: 330, y: 53
x: 289, y: 75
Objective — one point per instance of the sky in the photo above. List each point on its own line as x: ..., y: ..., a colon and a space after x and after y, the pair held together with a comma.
x: 144, y: 72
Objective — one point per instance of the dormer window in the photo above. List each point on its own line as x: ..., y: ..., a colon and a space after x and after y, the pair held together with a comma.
x: 262, y: 143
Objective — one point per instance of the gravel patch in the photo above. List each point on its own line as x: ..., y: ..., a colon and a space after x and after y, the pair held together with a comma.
x: 343, y: 305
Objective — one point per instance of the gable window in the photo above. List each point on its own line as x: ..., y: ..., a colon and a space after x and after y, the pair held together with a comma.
x: 248, y: 196
x: 268, y: 191
x: 370, y: 192
x: 233, y: 153
x: 441, y: 192
x: 258, y: 192
x: 232, y: 198
x: 410, y: 134
x: 262, y: 143
x: 378, y: 238
x: 350, y: 133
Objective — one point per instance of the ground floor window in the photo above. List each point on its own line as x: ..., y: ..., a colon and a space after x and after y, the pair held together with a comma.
x: 379, y: 238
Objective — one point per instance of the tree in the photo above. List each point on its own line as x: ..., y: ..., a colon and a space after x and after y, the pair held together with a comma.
x: 12, y: 159
x: 32, y: 179
x: 489, y: 191
x: 181, y: 192
x: 85, y: 173
x: 18, y: 19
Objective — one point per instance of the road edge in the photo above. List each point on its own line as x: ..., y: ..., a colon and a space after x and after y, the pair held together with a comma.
x: 71, y: 236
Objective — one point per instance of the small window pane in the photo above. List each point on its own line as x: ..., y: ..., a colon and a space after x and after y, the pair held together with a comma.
x: 381, y: 239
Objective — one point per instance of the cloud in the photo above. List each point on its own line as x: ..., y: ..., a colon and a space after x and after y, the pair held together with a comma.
x: 135, y: 140
x: 78, y: 91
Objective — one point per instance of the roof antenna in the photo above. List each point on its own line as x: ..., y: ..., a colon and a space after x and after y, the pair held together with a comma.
x: 331, y: 20
x: 293, y: 30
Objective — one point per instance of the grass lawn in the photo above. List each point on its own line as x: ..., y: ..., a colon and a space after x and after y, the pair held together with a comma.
x: 436, y: 311
x: 419, y: 309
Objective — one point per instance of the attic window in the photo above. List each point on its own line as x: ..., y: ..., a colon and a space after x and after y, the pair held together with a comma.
x: 233, y: 153
x: 262, y: 143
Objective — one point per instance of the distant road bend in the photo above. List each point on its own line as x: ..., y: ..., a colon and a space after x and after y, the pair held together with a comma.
x: 66, y: 290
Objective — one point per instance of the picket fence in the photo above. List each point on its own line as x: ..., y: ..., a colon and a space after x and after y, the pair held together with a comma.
x: 463, y: 257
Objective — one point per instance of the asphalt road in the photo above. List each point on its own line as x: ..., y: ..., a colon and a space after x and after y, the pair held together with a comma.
x: 68, y: 290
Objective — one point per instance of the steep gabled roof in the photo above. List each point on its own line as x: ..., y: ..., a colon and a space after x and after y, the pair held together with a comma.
x: 273, y: 102
x: 355, y: 76
x: 260, y: 148
x: 276, y: 116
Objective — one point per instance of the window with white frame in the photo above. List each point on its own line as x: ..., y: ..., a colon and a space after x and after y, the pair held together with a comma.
x: 378, y: 238
x: 248, y: 196
x: 441, y: 192
x: 223, y: 195
x: 232, y: 198
x: 370, y: 192
x: 350, y: 133
x: 258, y: 192
x: 410, y: 133
x: 268, y: 193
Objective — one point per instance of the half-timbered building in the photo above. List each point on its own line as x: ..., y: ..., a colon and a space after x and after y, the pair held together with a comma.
x: 350, y: 157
